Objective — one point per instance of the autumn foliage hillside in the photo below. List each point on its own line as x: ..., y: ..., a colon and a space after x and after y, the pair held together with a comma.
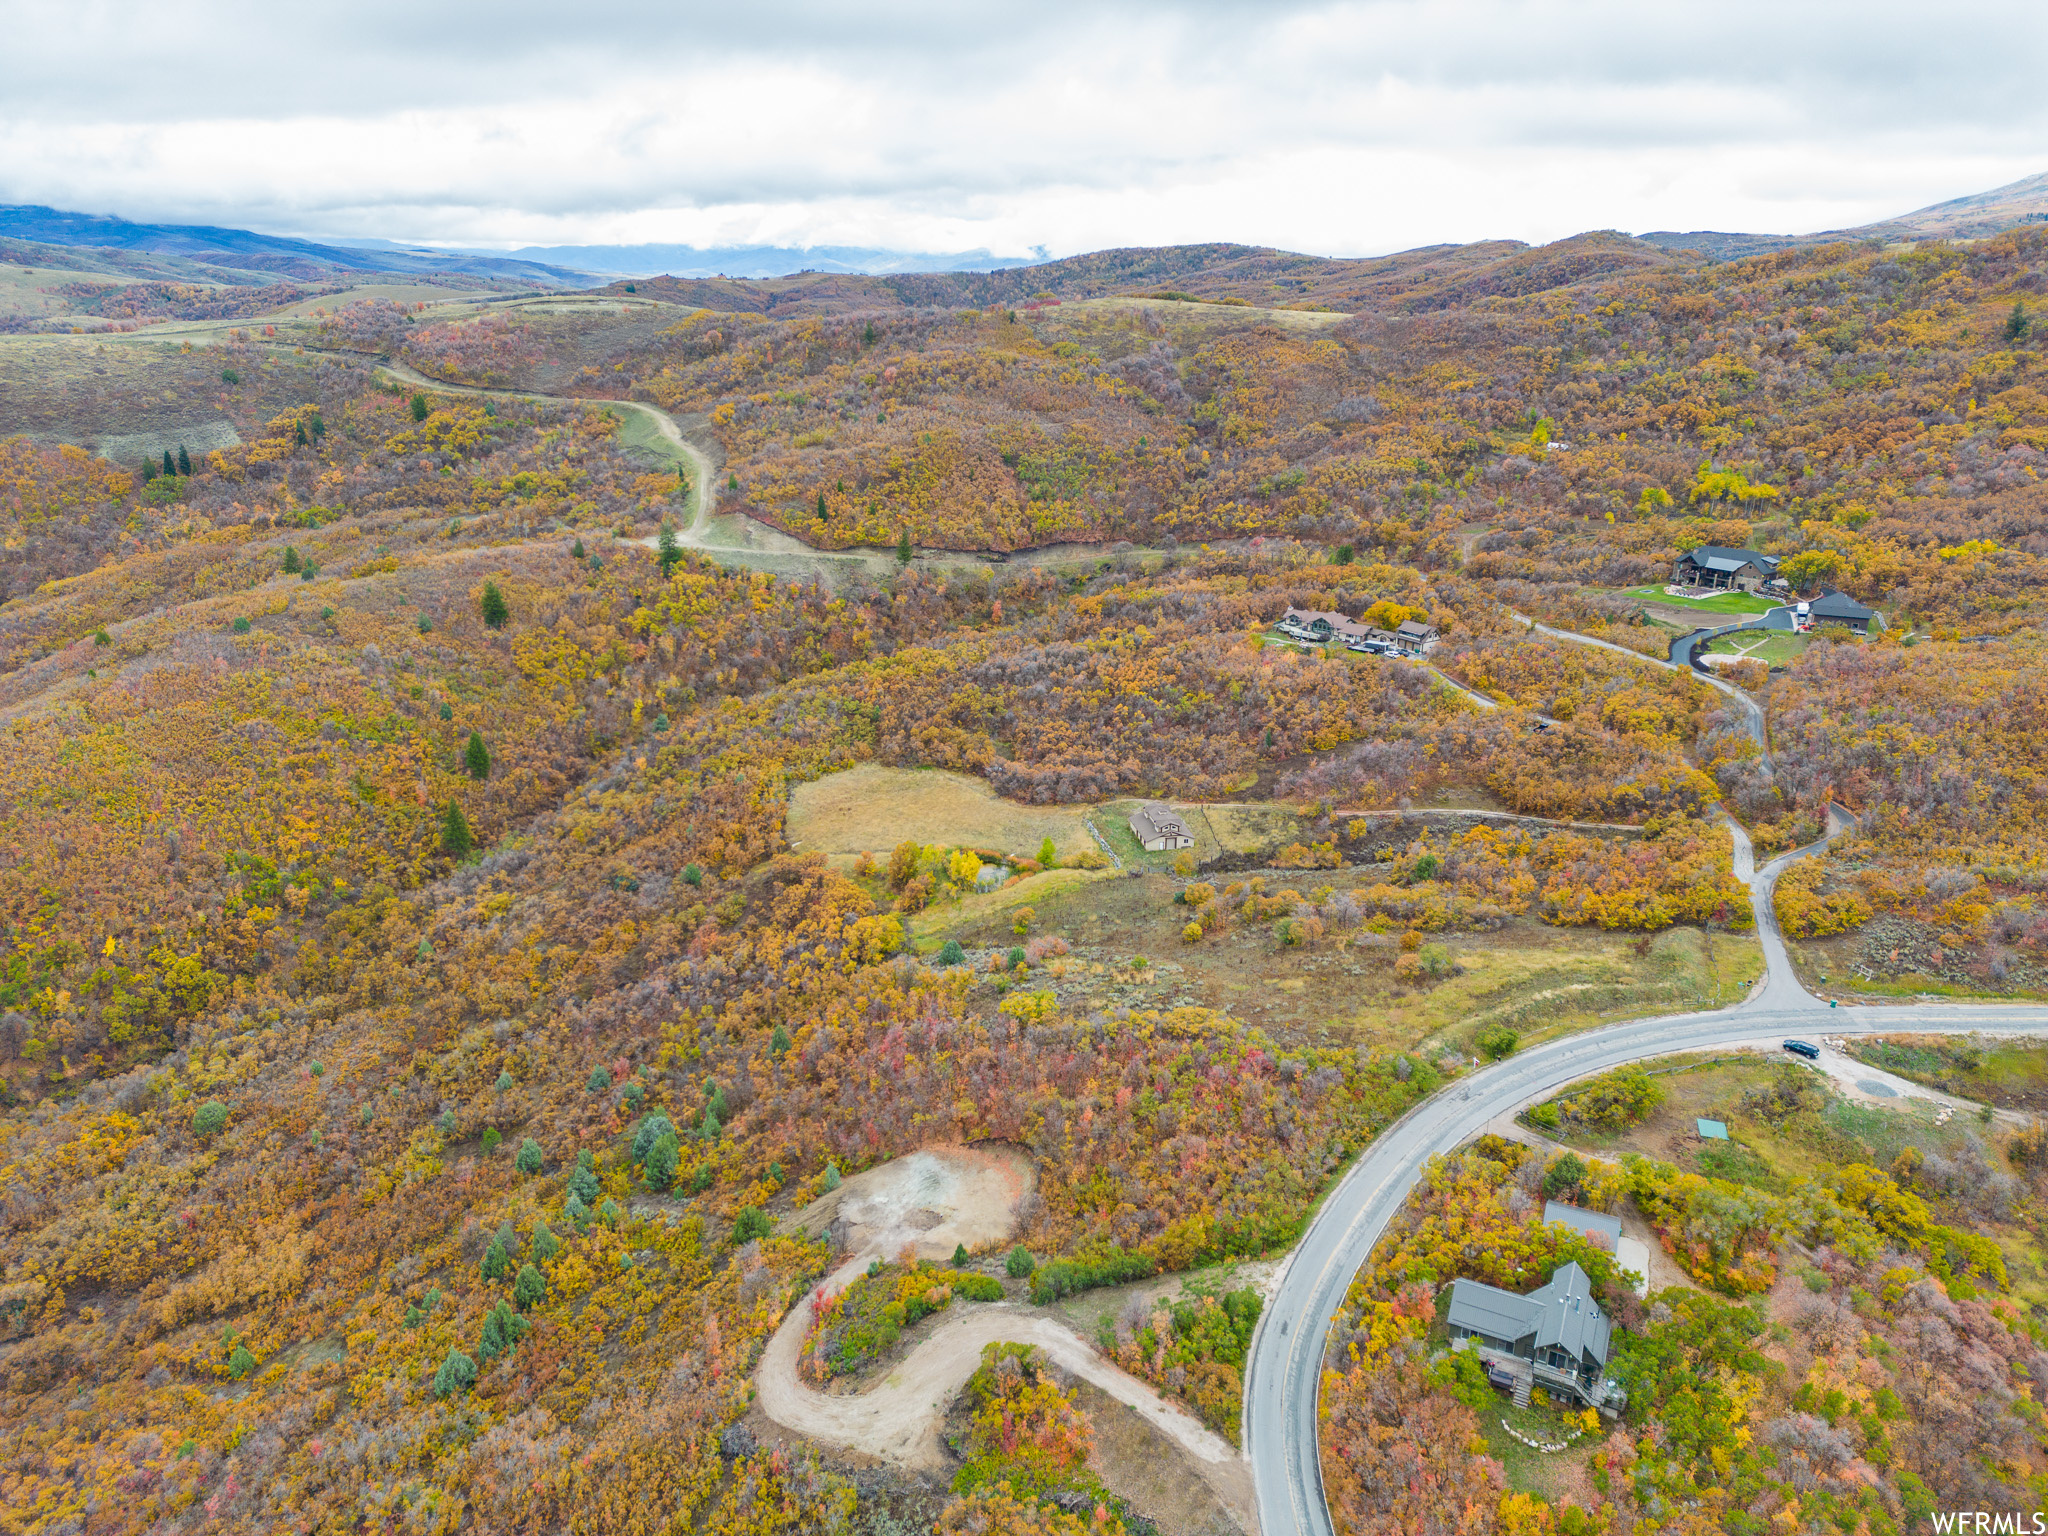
x: 1874, y: 414
x: 411, y: 1010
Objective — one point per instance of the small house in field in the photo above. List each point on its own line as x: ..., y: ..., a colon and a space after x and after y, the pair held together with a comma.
x: 1555, y: 1338
x: 1833, y: 607
x: 1728, y: 570
x: 1414, y: 635
x: 1159, y: 830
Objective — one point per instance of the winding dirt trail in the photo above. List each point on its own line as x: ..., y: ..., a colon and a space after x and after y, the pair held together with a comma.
x: 899, y: 1419
x: 928, y: 1201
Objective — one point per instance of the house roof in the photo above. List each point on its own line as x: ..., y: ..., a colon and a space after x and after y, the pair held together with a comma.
x: 1414, y: 629
x: 1571, y: 1318
x: 1562, y: 1314
x: 1150, y: 821
x: 1490, y: 1310
x: 1838, y: 605
x: 1337, y: 622
x: 1589, y: 1222
x: 1715, y: 557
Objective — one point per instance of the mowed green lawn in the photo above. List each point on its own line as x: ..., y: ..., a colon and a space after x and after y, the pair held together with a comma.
x: 1725, y: 602
x: 1778, y: 647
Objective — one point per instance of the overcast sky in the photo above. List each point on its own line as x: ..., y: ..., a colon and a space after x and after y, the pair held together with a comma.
x: 1339, y: 129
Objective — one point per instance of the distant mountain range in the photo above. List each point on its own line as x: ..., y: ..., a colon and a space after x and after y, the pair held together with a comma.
x: 1962, y: 218
x: 749, y: 261
x: 794, y: 279
x: 264, y: 258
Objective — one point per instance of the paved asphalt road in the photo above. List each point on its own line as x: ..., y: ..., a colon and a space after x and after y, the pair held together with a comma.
x: 1284, y: 1375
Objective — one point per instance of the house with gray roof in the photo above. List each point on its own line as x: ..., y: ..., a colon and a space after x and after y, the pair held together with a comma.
x: 1320, y: 625
x: 1833, y: 607
x: 1604, y: 1230
x: 1159, y: 830
x: 1415, y: 635
x: 1555, y: 1338
x: 1730, y: 570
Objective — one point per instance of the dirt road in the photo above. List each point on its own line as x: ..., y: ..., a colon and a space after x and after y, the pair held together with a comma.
x: 928, y: 1202
x: 899, y: 1420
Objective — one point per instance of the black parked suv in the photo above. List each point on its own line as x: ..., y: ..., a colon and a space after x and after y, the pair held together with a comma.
x: 1803, y: 1048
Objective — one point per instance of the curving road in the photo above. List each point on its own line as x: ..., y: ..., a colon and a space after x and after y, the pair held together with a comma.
x: 1283, y: 1377
x: 1752, y: 710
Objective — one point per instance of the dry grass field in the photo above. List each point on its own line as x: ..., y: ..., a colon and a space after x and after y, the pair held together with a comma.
x: 871, y: 809
x: 22, y: 289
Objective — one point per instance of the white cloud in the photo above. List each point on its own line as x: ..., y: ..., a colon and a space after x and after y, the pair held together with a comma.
x: 1339, y: 128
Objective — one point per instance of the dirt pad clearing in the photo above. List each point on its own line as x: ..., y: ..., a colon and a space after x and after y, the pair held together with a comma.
x: 870, y: 809
x: 932, y: 1201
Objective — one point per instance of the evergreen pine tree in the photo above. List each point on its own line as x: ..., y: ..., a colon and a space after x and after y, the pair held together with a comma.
x: 299, y: 433
x: 576, y: 550
x: 823, y: 515
x: 169, y: 469
x: 292, y: 563
x: 492, y: 1344
x: 456, y: 838
x: 668, y: 550
x: 493, y: 606
x: 648, y: 1132
x: 530, y: 1156
x: 476, y: 757
x: 184, y: 462
x: 532, y: 1285
x: 903, y: 547
x: 2017, y: 324
x: 495, y: 1261
x: 583, y: 1182
x: 457, y: 1373
x: 420, y: 407
x: 868, y: 336
x: 661, y: 1159
x: 545, y: 1244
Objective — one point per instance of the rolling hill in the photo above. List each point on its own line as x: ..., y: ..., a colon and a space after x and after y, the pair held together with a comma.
x: 1960, y: 218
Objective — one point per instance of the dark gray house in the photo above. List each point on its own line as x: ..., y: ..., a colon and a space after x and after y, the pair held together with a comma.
x: 1833, y: 607
x: 1728, y: 569
x: 1555, y: 1338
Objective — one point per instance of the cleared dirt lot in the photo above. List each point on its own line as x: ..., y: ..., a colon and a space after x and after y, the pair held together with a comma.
x: 930, y: 1200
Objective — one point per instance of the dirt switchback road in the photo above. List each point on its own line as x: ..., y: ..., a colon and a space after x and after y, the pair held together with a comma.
x: 899, y: 1420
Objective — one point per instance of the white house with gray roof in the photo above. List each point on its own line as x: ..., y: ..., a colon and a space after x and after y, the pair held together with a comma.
x: 1159, y: 830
